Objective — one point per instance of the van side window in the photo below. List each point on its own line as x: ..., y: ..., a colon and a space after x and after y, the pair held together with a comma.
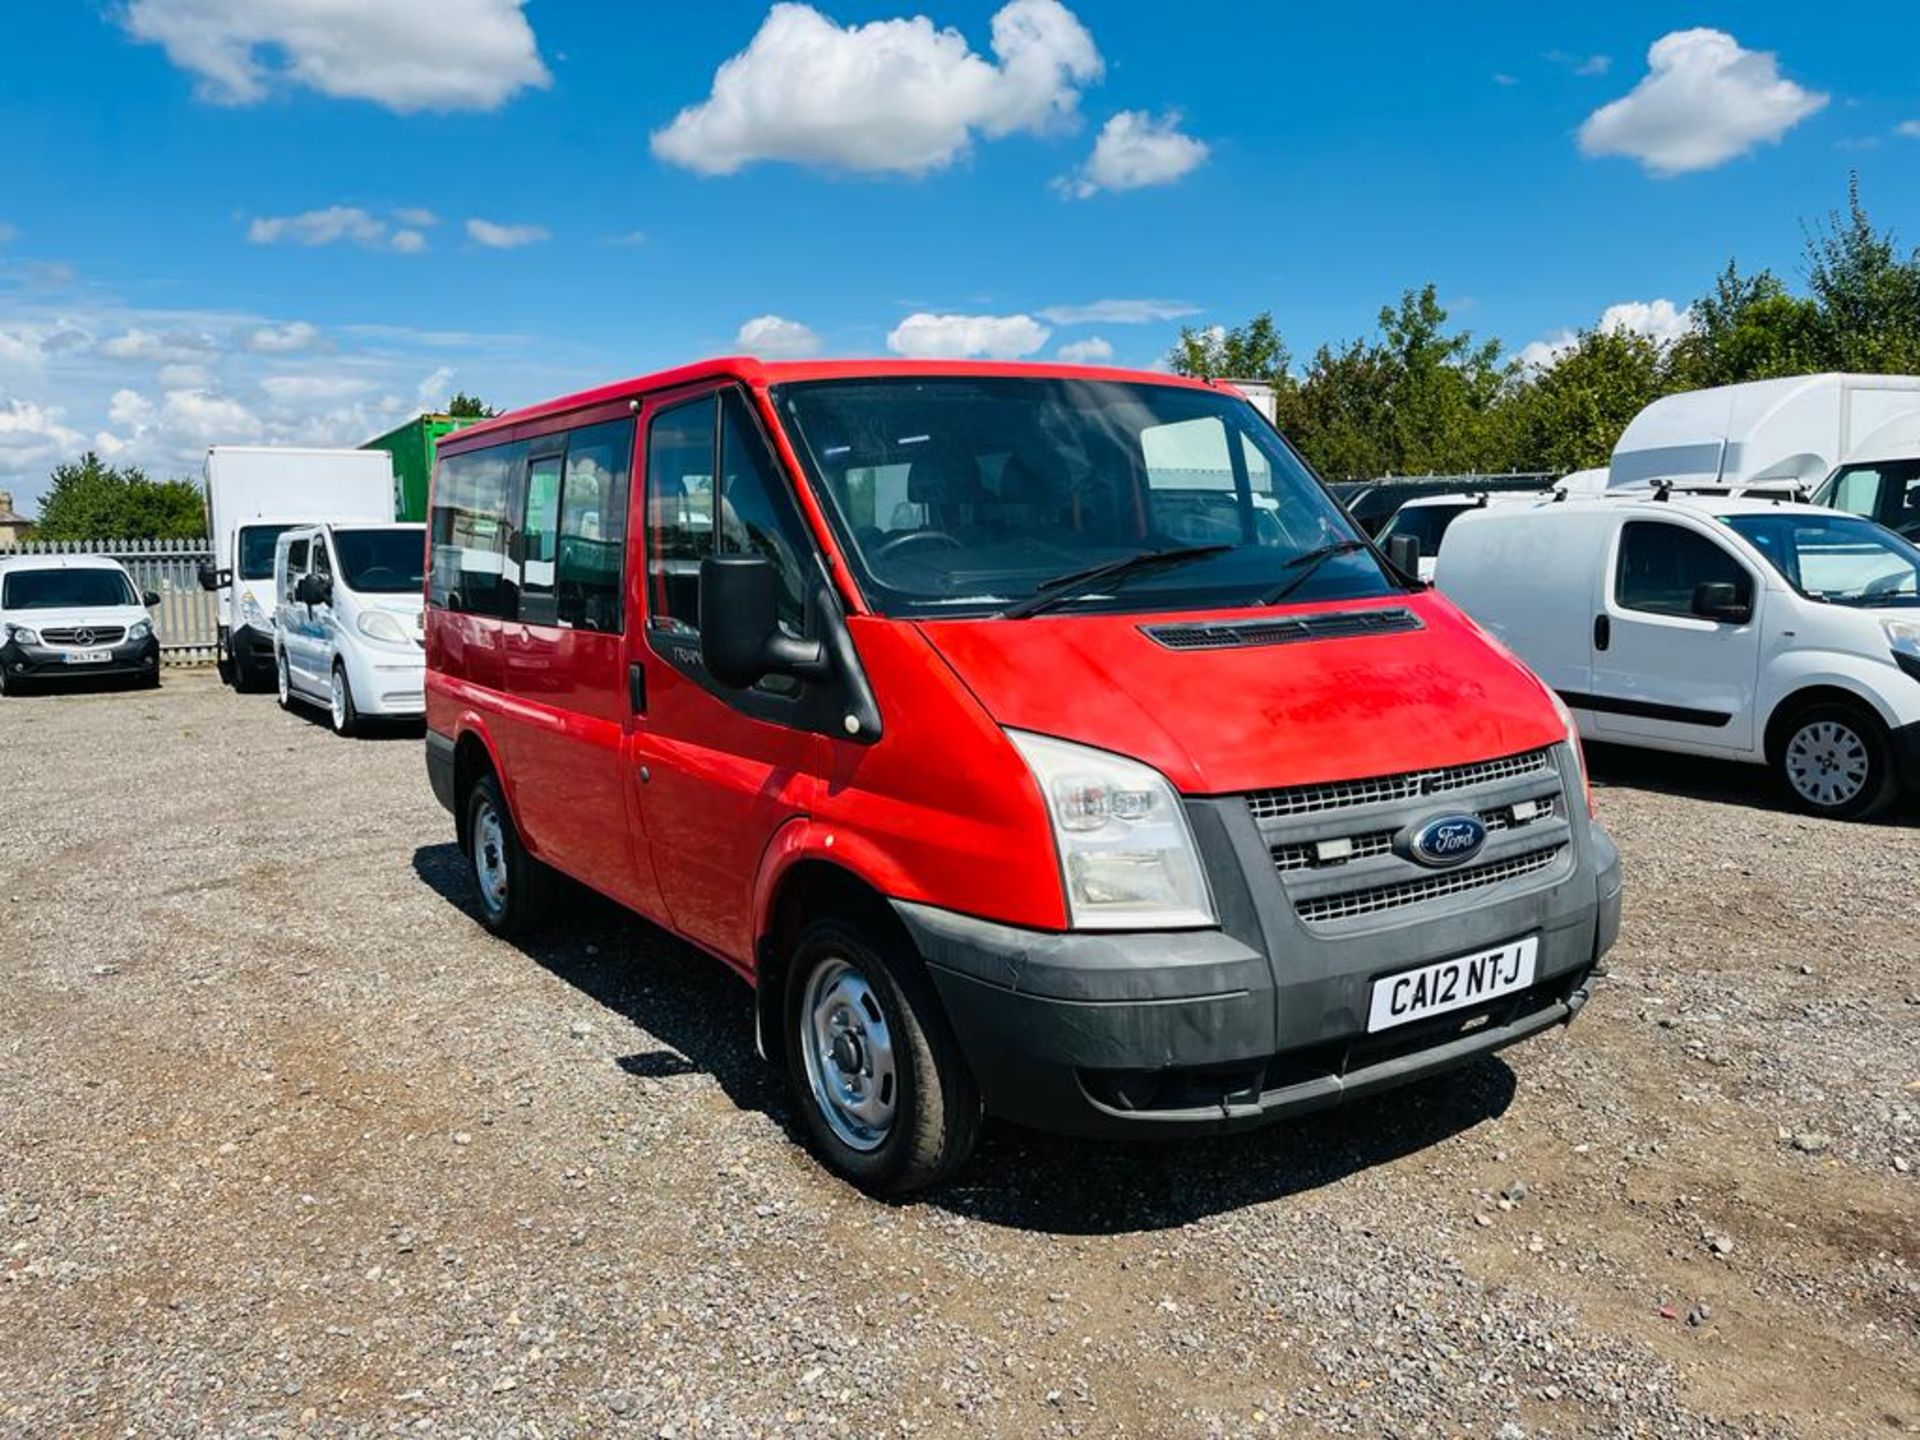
x: 1660, y: 565
x: 754, y: 515
x: 679, y: 512
x: 468, y: 531
x: 296, y: 565
x: 321, y: 563
x: 540, y: 539
x: 593, y: 526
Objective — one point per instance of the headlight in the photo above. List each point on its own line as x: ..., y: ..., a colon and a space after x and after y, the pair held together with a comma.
x: 1904, y: 637
x: 250, y: 610
x: 1577, y: 749
x: 140, y: 630
x: 24, y: 634
x: 1127, y: 856
x: 379, y: 625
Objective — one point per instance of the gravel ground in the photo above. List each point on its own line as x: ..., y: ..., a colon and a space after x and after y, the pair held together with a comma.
x: 292, y: 1147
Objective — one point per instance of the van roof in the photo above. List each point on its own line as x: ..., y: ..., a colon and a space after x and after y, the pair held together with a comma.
x: 59, y: 562
x: 1646, y: 502
x: 762, y: 373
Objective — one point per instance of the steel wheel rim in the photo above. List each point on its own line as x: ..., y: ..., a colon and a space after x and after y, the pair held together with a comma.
x: 1828, y: 763
x: 848, y: 1051
x: 286, y: 682
x: 339, y: 700
x: 490, y: 858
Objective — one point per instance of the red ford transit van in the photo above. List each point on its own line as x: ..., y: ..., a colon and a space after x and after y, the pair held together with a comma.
x: 1037, y: 740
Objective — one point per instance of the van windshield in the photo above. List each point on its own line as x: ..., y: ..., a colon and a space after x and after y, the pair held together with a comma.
x: 967, y: 495
x: 64, y: 589
x: 382, y: 562
x: 256, y: 550
x: 1837, y: 558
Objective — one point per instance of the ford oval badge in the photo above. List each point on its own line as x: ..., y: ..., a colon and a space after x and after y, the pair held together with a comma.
x: 1447, y: 840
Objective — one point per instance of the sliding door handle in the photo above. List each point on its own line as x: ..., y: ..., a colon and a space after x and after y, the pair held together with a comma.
x: 1602, y: 632
x: 637, y: 688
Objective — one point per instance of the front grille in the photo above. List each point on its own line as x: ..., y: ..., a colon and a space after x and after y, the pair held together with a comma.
x: 1344, y: 794
x: 70, y: 635
x: 1305, y: 854
x: 1335, y: 625
x: 1321, y: 909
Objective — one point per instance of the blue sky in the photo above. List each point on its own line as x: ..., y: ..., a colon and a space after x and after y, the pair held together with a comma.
x: 297, y: 220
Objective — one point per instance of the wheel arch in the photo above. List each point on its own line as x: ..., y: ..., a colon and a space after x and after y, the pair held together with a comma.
x: 473, y: 756
x: 1806, y: 697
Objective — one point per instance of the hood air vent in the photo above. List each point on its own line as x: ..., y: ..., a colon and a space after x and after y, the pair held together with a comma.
x: 1243, y: 634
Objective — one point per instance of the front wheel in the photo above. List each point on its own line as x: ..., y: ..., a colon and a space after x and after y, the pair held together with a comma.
x: 882, y: 1090
x: 284, y: 682
x: 346, y: 719
x: 1835, y: 760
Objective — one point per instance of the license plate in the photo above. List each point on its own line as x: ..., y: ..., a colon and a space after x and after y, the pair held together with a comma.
x: 89, y: 657
x: 1452, y: 984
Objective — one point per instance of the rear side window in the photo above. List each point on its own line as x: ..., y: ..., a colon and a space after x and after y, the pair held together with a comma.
x: 296, y: 566
x: 1661, y: 564
x: 590, y: 563
x: 1426, y: 523
x: 540, y: 538
x: 469, y: 531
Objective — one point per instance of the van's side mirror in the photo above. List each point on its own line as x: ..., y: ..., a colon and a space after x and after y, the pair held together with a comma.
x: 1720, y: 600
x: 149, y: 598
x: 208, y: 577
x: 740, y: 638
x: 1404, y: 553
x: 313, y: 590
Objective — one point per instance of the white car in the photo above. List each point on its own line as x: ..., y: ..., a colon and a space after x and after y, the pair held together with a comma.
x: 347, y: 621
x: 1769, y: 632
x: 63, y: 616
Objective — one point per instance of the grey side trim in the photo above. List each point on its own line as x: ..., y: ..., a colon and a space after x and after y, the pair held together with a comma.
x: 1710, y: 460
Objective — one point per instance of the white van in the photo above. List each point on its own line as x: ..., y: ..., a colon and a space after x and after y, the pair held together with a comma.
x: 1764, y: 631
x: 347, y: 621
x: 64, y: 616
x: 255, y: 493
x: 1425, y: 519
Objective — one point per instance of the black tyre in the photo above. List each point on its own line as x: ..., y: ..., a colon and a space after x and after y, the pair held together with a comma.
x: 513, y: 885
x: 283, y: 681
x: 224, y: 665
x: 12, y: 684
x: 1835, y: 759
x: 340, y: 706
x: 880, y: 1086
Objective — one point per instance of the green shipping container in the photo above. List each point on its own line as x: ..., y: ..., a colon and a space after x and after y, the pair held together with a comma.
x: 411, y: 447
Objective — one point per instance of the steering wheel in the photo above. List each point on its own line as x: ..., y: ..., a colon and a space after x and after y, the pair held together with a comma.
x: 914, y: 537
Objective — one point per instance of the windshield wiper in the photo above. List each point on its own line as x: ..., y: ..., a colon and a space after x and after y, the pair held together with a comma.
x: 1308, y: 563
x: 1064, y: 587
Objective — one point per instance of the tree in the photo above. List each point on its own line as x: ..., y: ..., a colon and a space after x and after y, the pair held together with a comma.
x: 470, y: 407
x: 1569, y: 416
x: 1867, y: 295
x: 1253, y: 351
x: 91, y: 500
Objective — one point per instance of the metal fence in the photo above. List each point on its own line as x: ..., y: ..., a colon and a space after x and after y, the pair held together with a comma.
x: 185, y: 618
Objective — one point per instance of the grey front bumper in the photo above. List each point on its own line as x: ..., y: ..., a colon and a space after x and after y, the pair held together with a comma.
x: 1198, y: 1031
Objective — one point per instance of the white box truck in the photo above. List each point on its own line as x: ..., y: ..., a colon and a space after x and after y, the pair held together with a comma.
x: 254, y: 493
x: 1797, y: 431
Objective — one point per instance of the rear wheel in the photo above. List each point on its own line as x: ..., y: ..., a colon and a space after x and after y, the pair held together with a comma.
x: 513, y: 885
x: 346, y: 719
x: 1835, y: 760
x: 284, y: 682
x: 882, y: 1091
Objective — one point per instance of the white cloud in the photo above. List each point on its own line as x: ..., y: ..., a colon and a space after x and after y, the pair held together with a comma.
x: 505, y: 237
x: 955, y: 337
x: 8, y: 234
x: 1594, y: 65
x: 436, y: 389
x: 1908, y: 128
x: 1090, y: 351
x: 129, y: 409
x: 311, y: 389
x: 629, y: 240
x: 282, y: 339
x: 139, y: 344
x: 417, y: 219
x: 1704, y: 101
x: 450, y: 55
x: 776, y: 338
x: 891, y: 96
x: 184, y: 377
x: 1119, y: 312
x: 1135, y: 150
x: 33, y: 437
x: 332, y: 224
x: 1659, y: 320
x: 1501, y: 78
